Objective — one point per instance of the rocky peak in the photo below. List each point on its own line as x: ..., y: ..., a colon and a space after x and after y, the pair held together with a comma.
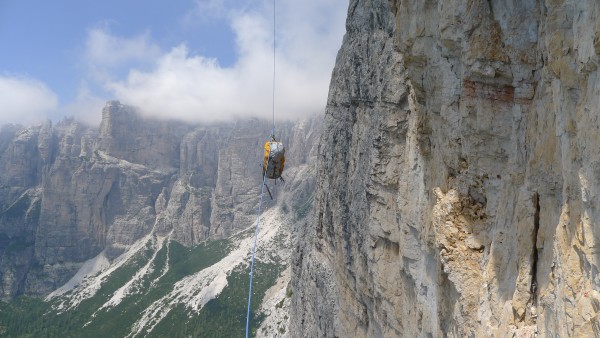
x: 125, y: 134
x: 116, y: 118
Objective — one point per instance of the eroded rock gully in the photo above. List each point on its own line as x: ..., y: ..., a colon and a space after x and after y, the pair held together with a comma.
x: 458, y: 175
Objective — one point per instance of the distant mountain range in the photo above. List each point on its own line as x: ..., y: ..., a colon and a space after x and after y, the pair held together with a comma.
x: 144, y: 226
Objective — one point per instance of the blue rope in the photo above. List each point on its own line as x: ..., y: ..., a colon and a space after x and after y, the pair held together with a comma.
x: 262, y: 189
x: 262, y: 192
x: 274, y: 39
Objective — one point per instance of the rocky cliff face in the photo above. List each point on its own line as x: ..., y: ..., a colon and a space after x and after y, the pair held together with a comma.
x: 69, y: 192
x: 458, y: 175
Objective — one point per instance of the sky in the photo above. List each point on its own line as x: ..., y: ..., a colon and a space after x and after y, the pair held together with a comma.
x: 191, y: 60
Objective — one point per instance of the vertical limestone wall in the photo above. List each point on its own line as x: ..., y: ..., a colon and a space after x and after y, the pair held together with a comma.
x: 458, y: 174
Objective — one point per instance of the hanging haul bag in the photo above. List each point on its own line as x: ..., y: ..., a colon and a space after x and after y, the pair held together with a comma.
x: 274, y: 159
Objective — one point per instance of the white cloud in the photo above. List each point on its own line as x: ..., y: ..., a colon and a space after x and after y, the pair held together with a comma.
x: 106, y: 54
x: 25, y: 100
x: 195, y: 88
x: 175, y: 82
x: 108, y: 57
x: 87, y: 106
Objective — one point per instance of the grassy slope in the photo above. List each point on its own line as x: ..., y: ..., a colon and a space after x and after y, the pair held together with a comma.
x: 221, y: 317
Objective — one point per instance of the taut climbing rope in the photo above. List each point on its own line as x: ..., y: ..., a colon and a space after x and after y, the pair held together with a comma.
x: 262, y: 189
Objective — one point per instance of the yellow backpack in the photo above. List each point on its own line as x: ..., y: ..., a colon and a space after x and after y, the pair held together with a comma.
x: 274, y: 159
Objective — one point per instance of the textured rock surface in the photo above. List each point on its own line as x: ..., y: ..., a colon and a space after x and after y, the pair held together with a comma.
x: 458, y: 175
x: 69, y: 192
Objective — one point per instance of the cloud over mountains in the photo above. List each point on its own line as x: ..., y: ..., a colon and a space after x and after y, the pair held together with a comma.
x: 178, y: 82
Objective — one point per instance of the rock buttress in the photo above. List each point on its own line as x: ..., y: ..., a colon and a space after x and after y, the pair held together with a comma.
x: 458, y: 174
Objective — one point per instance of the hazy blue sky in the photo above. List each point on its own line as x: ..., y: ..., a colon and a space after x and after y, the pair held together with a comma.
x: 196, y: 60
